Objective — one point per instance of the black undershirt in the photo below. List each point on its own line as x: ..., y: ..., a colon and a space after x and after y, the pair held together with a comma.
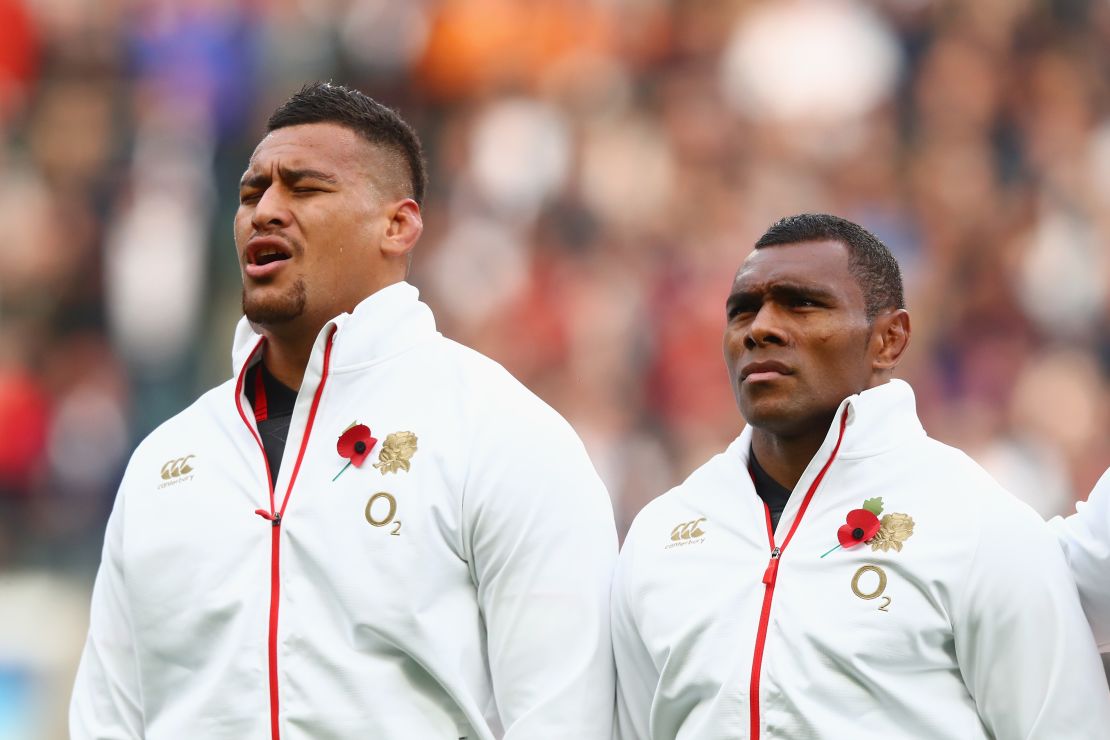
x: 274, y: 429
x: 773, y: 494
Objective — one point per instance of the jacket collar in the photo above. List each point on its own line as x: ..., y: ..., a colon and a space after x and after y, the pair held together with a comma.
x: 879, y: 419
x: 384, y: 324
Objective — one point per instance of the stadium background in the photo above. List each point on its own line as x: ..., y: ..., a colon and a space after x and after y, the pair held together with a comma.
x: 599, y: 169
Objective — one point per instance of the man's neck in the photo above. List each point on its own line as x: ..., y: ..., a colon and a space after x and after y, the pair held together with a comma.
x: 785, y: 458
x: 286, y: 358
x: 289, y: 344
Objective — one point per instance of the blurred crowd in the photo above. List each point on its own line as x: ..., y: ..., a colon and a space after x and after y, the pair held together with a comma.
x: 599, y: 169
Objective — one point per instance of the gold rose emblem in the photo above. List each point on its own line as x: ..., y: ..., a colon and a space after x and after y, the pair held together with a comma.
x: 396, y: 453
x: 894, y: 529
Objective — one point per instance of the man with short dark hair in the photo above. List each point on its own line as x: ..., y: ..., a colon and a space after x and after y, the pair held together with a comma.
x: 371, y: 531
x: 835, y: 572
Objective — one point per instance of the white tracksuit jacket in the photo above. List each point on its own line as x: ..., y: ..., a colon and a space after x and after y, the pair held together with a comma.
x: 458, y: 589
x: 972, y: 629
x: 1085, y: 537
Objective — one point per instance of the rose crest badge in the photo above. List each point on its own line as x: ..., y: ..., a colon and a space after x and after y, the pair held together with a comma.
x: 396, y: 453
x: 894, y: 529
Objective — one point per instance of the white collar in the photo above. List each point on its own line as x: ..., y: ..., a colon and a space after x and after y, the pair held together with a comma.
x: 384, y: 324
x: 879, y: 419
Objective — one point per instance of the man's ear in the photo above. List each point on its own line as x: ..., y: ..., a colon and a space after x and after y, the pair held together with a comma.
x: 890, y: 337
x: 404, y: 228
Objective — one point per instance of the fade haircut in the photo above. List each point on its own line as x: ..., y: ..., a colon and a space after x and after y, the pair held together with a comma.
x: 870, y: 262
x: 326, y: 102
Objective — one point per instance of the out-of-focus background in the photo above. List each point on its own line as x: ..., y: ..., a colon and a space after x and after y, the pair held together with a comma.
x: 599, y: 170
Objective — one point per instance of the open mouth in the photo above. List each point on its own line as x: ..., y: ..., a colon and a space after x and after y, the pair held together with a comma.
x: 265, y: 254
x: 266, y: 257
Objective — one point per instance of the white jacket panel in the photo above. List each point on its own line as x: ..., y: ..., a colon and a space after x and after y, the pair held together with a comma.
x: 972, y: 630
x: 1085, y: 537
x: 480, y: 610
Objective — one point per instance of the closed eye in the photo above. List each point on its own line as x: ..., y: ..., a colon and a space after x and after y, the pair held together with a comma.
x: 738, y: 312
x: 737, y: 309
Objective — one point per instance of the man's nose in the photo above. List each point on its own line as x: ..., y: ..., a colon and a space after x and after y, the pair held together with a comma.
x: 765, y: 328
x: 272, y: 210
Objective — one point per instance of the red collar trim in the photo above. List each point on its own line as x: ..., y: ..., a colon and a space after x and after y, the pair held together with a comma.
x: 261, y: 409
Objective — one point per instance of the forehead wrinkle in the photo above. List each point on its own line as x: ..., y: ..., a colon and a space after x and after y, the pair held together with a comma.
x: 293, y: 174
x: 288, y: 175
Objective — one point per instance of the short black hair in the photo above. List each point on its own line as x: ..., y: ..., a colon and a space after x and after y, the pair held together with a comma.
x: 869, y: 260
x: 327, y: 102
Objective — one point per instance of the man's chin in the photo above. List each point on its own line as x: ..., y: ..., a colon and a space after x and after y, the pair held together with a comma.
x: 267, y: 308
x: 775, y: 413
x: 786, y: 417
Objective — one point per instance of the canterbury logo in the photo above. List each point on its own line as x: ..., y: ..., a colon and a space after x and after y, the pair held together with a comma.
x: 177, y: 468
x: 688, y: 530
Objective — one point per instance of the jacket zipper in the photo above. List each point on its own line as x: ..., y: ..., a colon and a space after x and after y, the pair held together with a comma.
x: 770, y: 576
x: 276, y: 516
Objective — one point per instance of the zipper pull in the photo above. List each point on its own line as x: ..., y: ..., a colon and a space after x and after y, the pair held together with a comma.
x: 772, y: 571
x: 274, y: 518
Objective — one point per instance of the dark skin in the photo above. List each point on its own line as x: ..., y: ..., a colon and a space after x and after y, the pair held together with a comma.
x: 323, y: 222
x: 797, y: 343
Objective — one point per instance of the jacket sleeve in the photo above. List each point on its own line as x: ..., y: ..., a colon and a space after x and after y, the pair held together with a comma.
x: 1085, y: 537
x: 1022, y: 643
x: 106, y: 703
x: 636, y: 673
x: 540, y: 537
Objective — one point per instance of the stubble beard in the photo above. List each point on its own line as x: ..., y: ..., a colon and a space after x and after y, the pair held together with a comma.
x: 281, y: 309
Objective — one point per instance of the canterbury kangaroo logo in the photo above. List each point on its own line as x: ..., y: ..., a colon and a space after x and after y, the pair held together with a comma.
x: 177, y: 468
x: 688, y: 530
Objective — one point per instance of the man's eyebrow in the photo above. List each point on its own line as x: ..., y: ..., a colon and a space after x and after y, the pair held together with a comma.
x: 808, y: 290
x: 253, y: 180
x: 290, y: 174
x: 749, y: 293
x: 287, y: 174
x: 740, y: 294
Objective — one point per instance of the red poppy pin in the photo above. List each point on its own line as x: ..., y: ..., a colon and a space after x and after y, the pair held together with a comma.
x: 354, y: 444
x: 863, y: 525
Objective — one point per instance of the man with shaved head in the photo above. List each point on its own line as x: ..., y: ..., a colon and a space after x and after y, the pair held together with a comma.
x: 835, y: 572
x: 370, y: 531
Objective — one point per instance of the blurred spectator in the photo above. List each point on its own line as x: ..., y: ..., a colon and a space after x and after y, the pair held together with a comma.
x: 18, y: 55
x: 24, y: 412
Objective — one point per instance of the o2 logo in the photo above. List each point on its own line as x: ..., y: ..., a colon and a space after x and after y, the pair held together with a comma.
x: 381, y: 511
